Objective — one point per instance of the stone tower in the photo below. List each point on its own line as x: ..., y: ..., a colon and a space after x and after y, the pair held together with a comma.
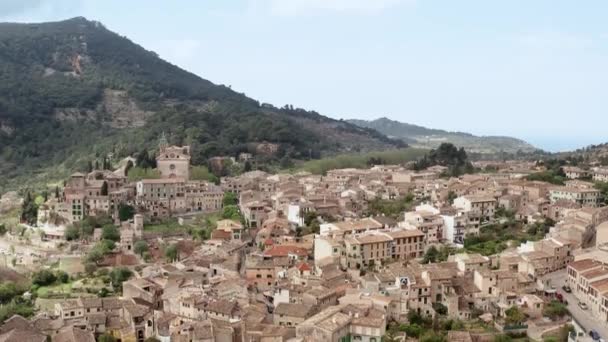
x: 173, y: 161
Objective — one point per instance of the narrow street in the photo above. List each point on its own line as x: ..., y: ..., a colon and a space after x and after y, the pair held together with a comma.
x: 583, y: 317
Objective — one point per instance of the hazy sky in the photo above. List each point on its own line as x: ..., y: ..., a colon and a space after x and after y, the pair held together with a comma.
x: 534, y: 69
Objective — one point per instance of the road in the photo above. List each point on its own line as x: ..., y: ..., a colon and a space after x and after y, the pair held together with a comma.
x: 584, y: 317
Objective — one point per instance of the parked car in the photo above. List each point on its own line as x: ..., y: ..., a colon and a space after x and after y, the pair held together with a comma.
x: 583, y: 306
x: 594, y: 335
x: 566, y: 289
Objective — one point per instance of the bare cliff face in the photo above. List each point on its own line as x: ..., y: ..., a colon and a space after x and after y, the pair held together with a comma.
x: 10, y: 201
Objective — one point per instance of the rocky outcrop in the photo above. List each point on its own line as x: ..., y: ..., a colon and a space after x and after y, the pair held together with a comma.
x: 122, y: 110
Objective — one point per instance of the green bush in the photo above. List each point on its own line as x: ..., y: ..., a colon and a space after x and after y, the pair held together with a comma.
x: 43, y: 278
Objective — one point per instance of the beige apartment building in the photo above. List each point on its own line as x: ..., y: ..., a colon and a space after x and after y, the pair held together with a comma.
x: 588, y: 279
x: 374, y: 248
x: 429, y: 223
x: 582, y: 196
x: 600, y: 175
x: 367, y: 249
x: 480, y: 209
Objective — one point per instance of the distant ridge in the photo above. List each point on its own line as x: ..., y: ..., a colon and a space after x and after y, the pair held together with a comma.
x: 418, y: 136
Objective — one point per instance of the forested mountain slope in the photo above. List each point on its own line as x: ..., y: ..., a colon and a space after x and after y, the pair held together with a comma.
x: 73, y: 90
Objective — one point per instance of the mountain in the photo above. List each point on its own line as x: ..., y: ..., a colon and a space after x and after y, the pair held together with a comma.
x: 73, y: 91
x: 423, y: 137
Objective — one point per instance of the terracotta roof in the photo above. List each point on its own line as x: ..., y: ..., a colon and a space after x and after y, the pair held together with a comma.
x: 163, y: 181
x: 15, y: 322
x: 303, y: 267
x: 73, y: 334
x: 405, y: 233
x: 221, y: 235
x: 19, y: 335
x: 585, y: 264
x: 284, y: 250
x: 294, y: 310
x: 595, y: 273
x: 225, y: 307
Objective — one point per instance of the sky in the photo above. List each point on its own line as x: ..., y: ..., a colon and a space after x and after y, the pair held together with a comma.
x: 532, y: 69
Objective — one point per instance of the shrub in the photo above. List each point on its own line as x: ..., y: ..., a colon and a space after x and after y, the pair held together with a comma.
x: 43, y: 278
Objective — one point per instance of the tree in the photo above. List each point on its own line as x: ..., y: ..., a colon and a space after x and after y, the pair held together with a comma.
x: 414, y: 317
x: 144, y: 160
x: 314, y: 227
x: 502, y: 338
x: 29, y: 209
x: 8, y: 291
x: 389, y: 336
x: 62, y: 277
x: 90, y: 268
x: 286, y: 162
x: 3, y: 229
x: 110, y: 232
x: 432, y: 336
x: 72, y: 233
x: 43, y: 278
x: 247, y: 166
x: 106, y: 338
x: 128, y: 167
x: 56, y: 192
x: 102, y: 248
x: 140, y: 247
x: 452, y: 196
x: 125, y: 212
x: 440, y: 309
x: 309, y: 216
x: 94, y: 256
x: 448, y: 155
x: 231, y: 212
x: 230, y: 199
x: 514, y: 316
x: 412, y: 330
x: 555, y: 309
x: 107, y: 246
x: 431, y: 255
x: 171, y: 253
x: 119, y: 275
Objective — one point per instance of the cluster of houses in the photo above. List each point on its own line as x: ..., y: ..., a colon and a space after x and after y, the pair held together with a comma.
x: 104, y: 192
x: 262, y: 279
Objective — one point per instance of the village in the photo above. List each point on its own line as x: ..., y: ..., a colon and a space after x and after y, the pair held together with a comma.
x: 378, y: 254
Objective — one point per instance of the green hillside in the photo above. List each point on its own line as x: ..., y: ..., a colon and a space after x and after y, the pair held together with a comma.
x: 72, y: 91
